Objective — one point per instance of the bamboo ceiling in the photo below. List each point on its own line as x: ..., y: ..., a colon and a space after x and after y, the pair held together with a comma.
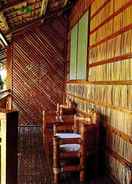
x: 15, y: 14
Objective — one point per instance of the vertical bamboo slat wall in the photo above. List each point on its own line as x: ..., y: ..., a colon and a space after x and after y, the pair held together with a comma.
x: 38, y: 69
x: 109, y: 85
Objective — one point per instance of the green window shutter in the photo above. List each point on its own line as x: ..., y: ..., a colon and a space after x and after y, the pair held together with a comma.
x: 82, y: 47
x: 73, y: 52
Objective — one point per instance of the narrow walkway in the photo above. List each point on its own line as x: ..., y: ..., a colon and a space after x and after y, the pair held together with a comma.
x: 33, y: 165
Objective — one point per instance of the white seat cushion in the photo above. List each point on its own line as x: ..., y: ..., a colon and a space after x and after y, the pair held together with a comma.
x: 68, y: 135
x: 70, y: 147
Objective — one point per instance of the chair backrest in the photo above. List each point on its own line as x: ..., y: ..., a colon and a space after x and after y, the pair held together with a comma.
x: 71, y: 123
x: 92, y: 118
x: 68, y: 109
x: 66, y: 125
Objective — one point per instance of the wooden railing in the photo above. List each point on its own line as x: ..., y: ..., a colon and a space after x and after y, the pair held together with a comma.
x: 6, y: 99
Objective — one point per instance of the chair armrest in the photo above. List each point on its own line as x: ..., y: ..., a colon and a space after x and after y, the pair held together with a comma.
x: 81, y: 121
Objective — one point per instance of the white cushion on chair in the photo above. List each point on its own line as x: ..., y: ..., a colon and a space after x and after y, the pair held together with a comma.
x: 68, y: 135
x: 70, y: 147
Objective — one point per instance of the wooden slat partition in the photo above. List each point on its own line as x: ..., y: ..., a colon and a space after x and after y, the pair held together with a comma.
x: 38, y: 60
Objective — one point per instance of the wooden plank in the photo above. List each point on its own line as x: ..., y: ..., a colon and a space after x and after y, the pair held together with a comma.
x: 118, y: 132
x: 121, y: 82
x: 99, y: 9
x: 112, y: 60
x: 118, y: 157
x: 100, y: 104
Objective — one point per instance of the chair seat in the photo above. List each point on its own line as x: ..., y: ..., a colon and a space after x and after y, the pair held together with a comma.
x: 70, y: 147
x: 68, y: 135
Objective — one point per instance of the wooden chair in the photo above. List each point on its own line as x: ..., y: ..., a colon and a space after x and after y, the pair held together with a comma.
x: 63, y: 113
x: 71, y: 145
x: 49, y: 119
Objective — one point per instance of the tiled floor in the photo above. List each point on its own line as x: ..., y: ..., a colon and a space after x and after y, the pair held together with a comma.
x: 33, y: 164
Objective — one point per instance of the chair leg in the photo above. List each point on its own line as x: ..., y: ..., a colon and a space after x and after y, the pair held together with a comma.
x: 56, y: 178
x: 82, y: 176
x: 56, y: 165
x: 82, y: 154
x: 82, y: 163
x: 82, y: 168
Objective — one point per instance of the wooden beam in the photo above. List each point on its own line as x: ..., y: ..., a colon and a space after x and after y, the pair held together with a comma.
x: 26, y: 25
x: 35, y: 22
x: 3, y: 22
x: 43, y: 7
x: 65, y: 2
x: 11, y: 4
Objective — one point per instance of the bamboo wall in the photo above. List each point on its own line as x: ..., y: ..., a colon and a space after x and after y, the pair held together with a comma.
x: 38, y: 61
x: 109, y: 84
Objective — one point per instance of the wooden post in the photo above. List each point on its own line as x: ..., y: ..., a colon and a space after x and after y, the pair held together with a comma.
x: 9, y: 102
x: 43, y: 125
x: 82, y: 153
x: 75, y: 124
x: 56, y: 164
